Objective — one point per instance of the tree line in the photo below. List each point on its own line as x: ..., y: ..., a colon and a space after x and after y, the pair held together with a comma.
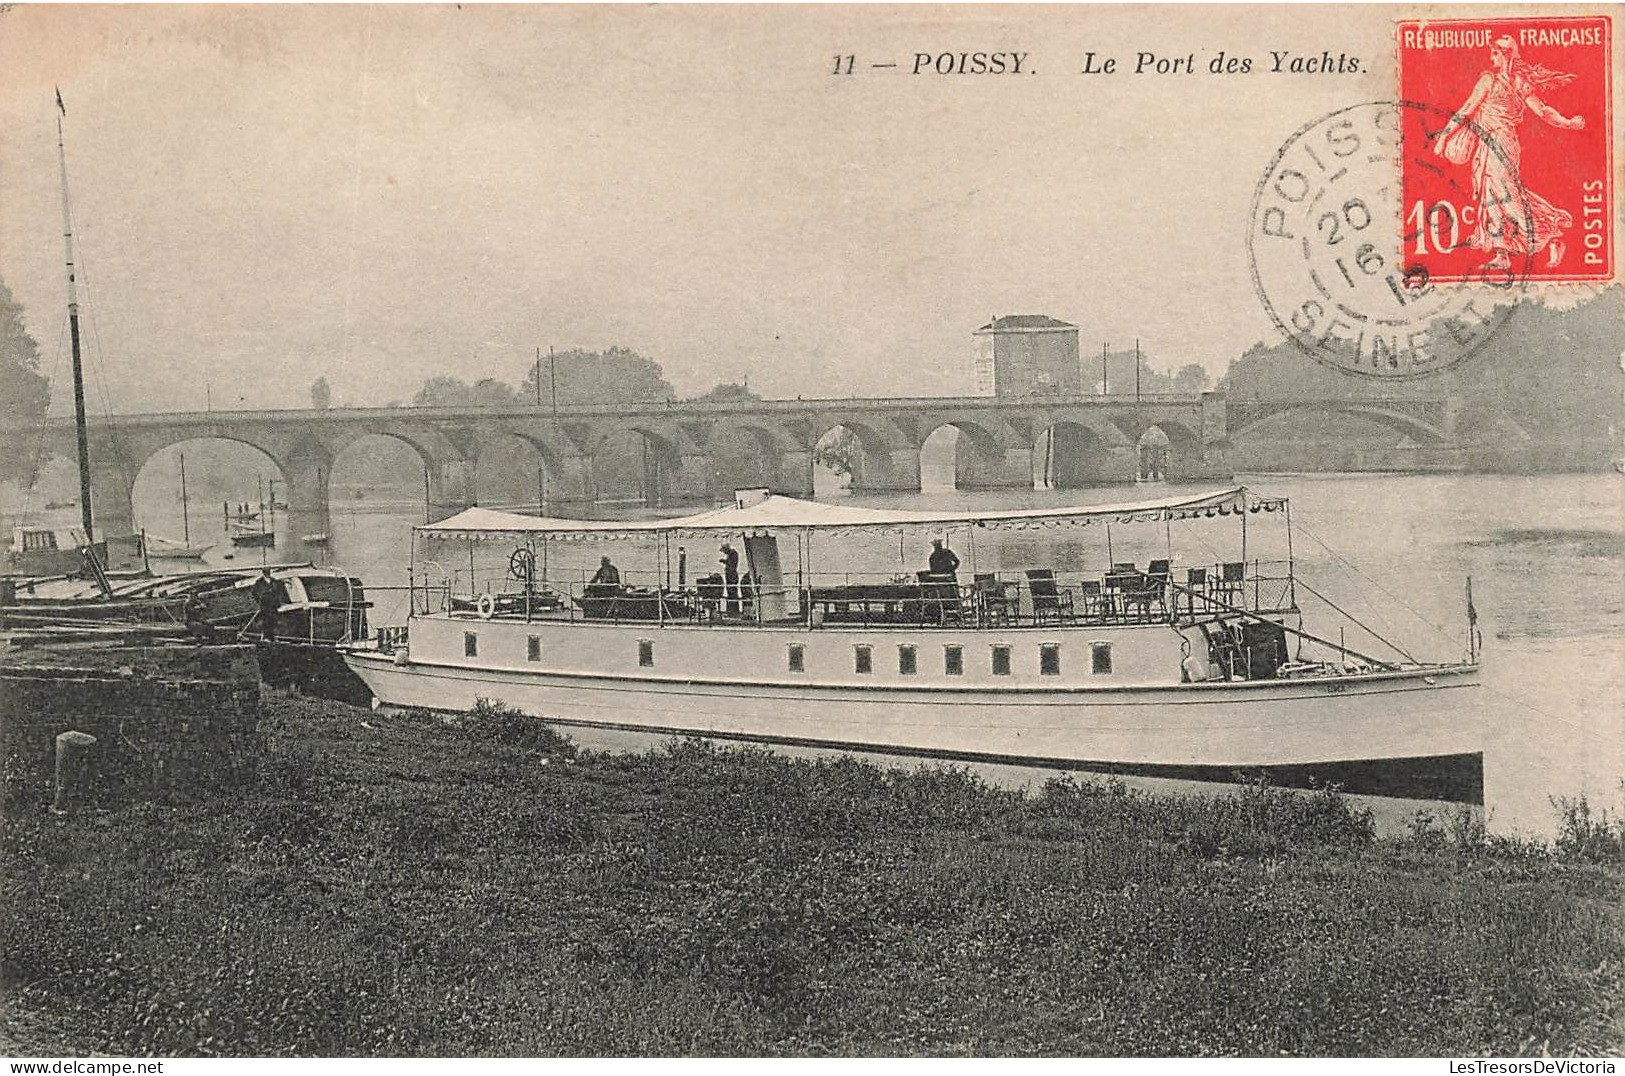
x: 572, y: 378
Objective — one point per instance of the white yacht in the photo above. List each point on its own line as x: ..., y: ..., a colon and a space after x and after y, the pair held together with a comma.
x: 1198, y: 670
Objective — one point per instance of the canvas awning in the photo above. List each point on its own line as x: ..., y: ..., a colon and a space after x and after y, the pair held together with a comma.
x: 775, y: 513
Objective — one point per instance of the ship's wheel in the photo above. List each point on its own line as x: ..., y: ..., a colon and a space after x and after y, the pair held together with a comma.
x: 522, y: 565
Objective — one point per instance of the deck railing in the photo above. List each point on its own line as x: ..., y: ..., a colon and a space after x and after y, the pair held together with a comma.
x: 1126, y: 594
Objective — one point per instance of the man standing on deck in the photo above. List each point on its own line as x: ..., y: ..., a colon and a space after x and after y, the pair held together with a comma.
x: 942, y: 590
x: 730, y: 577
x: 268, y: 596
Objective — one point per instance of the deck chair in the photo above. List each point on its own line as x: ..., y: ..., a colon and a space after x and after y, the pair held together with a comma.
x: 939, y: 598
x: 1195, y: 589
x: 994, y: 599
x: 1050, y: 600
x: 1157, y: 578
x: 1232, y: 576
x: 1138, y: 592
x: 1091, y: 597
x: 1122, y: 582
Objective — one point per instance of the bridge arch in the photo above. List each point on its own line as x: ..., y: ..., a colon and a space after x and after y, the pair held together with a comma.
x: 1412, y: 426
x: 432, y: 448
x: 1334, y: 437
x: 1073, y: 455
x: 862, y: 456
x: 519, y: 472
x: 744, y: 455
x: 967, y: 453
x: 637, y: 464
x: 223, y: 476
x: 377, y: 467
x: 1168, y: 451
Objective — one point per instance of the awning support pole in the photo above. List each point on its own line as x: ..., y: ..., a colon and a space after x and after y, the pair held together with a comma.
x: 1291, y: 570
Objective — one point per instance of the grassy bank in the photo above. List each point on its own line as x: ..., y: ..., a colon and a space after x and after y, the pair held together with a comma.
x: 413, y: 886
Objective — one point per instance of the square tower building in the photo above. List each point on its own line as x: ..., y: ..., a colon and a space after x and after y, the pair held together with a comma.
x: 1027, y: 355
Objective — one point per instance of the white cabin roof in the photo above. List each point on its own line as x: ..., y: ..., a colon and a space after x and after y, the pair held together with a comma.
x: 776, y: 513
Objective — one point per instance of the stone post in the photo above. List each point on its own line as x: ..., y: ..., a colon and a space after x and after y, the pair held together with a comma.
x: 73, y: 770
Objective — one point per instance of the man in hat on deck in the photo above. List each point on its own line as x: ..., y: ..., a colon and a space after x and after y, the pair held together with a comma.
x: 268, y: 596
x: 730, y: 577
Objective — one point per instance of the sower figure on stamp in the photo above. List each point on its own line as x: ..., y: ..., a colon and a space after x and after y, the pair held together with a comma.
x: 1513, y: 221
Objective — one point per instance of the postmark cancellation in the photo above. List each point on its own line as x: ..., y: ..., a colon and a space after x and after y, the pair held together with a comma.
x: 1392, y: 238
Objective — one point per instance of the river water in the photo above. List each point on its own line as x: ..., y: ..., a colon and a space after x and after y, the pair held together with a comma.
x: 1546, y: 555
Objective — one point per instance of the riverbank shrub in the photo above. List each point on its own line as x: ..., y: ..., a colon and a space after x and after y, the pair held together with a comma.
x: 495, y: 722
x: 1589, y: 835
x: 422, y: 885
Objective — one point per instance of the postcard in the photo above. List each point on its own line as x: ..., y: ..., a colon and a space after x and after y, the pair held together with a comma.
x: 797, y: 530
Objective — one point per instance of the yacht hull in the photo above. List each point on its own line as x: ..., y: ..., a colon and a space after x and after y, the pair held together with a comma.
x: 1411, y: 732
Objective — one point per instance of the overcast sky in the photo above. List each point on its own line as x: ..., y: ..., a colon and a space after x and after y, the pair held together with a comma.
x: 376, y: 194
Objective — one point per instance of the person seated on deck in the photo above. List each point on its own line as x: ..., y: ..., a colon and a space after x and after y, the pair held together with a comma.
x: 605, y: 581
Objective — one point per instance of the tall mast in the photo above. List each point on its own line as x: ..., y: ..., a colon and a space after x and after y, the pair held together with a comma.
x: 73, y: 333
x: 186, y: 518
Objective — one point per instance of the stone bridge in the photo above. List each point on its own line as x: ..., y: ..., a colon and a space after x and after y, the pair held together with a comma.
x: 1429, y: 421
x: 692, y: 451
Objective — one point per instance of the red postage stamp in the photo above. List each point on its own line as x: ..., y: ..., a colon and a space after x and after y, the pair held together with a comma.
x: 1507, y: 167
